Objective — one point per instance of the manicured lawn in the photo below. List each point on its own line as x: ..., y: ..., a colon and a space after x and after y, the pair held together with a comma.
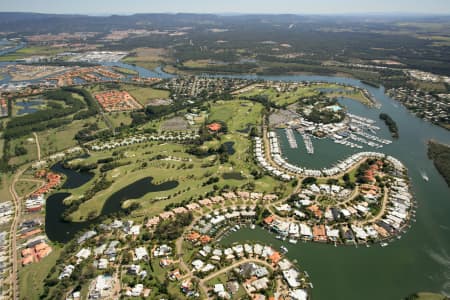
x: 356, y: 95
x: 290, y: 97
x: 237, y: 114
x: 58, y: 139
x: 119, y: 118
x: 145, y: 94
x: 191, y: 180
x: 283, y: 98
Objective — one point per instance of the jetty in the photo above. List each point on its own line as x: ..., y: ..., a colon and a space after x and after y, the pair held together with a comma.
x: 291, y: 138
x: 308, y: 143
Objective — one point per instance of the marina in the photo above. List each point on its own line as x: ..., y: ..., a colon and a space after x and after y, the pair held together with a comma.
x: 392, y: 258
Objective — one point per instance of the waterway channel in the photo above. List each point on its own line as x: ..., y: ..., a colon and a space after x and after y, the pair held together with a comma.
x: 420, y: 260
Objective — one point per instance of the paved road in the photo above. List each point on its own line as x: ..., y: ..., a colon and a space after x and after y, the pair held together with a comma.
x: 38, y: 147
x: 12, y: 233
x: 381, y: 212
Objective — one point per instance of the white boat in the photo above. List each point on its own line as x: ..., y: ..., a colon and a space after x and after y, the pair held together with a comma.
x: 252, y: 226
x: 384, y: 244
x: 293, y: 241
x: 284, y: 249
x: 424, y: 176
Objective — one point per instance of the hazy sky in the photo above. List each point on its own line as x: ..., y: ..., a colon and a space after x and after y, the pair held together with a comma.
x: 228, y: 6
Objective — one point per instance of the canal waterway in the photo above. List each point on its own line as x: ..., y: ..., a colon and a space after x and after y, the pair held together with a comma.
x: 420, y: 260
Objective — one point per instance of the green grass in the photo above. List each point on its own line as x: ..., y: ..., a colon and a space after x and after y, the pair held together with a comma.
x: 223, y: 278
x: 283, y: 98
x: 2, y: 144
x: 142, y: 94
x: 126, y: 71
x: 58, y: 139
x: 148, y: 58
x: 29, y: 144
x: 149, y: 65
x: 174, y: 290
x: 145, y: 94
x: 32, y: 51
x: 236, y: 113
x: 199, y: 63
x: 356, y: 95
x: 32, y: 277
x: 24, y: 188
x: 5, y: 181
x: 119, y: 118
x: 190, y: 180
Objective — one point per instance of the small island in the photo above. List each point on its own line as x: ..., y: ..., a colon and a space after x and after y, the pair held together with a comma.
x: 390, y: 123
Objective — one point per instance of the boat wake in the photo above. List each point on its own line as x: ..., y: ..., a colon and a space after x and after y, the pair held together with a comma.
x: 442, y: 259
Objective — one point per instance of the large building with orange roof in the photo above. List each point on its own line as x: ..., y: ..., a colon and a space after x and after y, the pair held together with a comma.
x: 35, y: 253
x: 214, y: 127
x: 3, y: 108
x: 315, y: 210
x: 268, y: 220
x: 275, y: 257
x: 319, y: 233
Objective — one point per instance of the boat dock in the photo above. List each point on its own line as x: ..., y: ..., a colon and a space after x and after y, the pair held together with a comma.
x: 374, y: 138
x: 364, y: 141
x: 291, y: 138
x: 308, y: 143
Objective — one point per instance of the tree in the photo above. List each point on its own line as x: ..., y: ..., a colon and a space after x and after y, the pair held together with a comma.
x: 309, y: 180
x: 346, y: 177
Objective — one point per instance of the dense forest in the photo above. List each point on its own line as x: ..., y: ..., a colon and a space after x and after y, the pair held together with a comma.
x: 63, y: 109
x: 267, y: 44
x: 440, y: 154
